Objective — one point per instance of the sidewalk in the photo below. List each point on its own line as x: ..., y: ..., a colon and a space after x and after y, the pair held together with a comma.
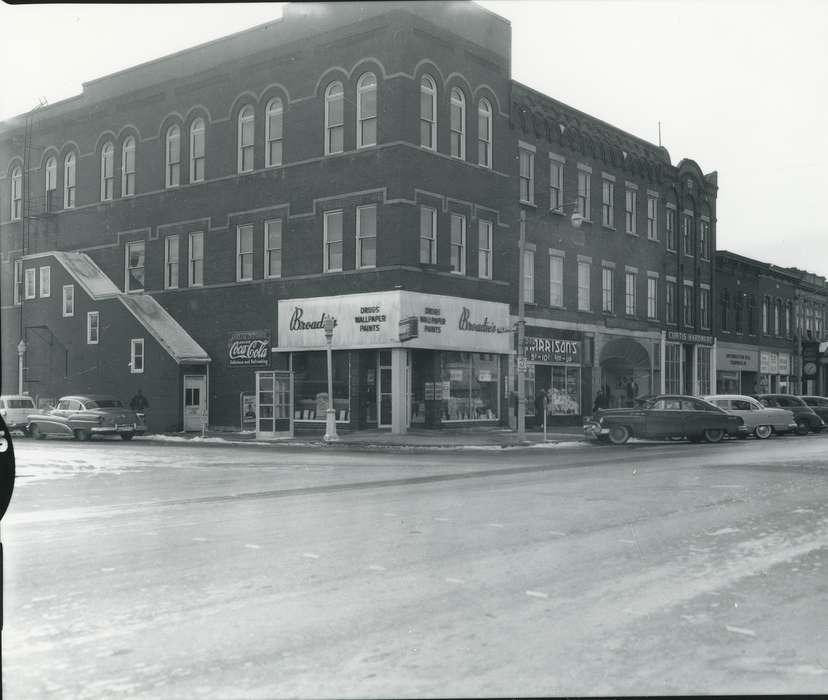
x: 484, y: 438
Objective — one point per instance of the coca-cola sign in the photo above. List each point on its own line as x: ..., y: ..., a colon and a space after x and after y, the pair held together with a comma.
x: 249, y: 348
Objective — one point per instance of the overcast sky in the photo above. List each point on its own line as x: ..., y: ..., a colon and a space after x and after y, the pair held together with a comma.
x: 741, y: 87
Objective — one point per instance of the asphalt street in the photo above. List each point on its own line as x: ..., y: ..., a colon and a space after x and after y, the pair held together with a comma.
x: 178, y: 571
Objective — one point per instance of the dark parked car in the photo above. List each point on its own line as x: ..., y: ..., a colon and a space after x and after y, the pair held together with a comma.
x: 804, y: 415
x: 666, y: 416
x: 818, y: 404
x: 82, y: 417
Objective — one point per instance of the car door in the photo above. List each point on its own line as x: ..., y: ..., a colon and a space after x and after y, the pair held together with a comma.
x: 745, y: 410
x: 663, y: 417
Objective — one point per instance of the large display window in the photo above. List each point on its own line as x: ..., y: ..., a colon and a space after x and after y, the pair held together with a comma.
x: 310, y: 385
x: 473, y: 383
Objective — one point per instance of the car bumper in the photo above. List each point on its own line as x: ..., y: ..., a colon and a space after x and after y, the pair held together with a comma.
x: 119, y: 430
x: 593, y: 430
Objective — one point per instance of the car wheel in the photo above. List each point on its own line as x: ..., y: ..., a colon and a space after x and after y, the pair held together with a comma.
x: 83, y: 435
x: 763, y: 432
x: 714, y: 434
x: 36, y: 432
x: 127, y: 436
x: 801, y: 427
x: 619, y: 434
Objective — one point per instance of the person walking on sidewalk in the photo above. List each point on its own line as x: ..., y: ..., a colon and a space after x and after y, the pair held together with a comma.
x: 139, y: 403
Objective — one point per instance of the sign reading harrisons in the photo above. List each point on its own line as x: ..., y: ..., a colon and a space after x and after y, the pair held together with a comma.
x: 551, y: 350
x: 373, y: 320
x: 249, y: 348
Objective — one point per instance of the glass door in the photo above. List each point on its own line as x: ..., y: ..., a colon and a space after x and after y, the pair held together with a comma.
x: 384, y: 388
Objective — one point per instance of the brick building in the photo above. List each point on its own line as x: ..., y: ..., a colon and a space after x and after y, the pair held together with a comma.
x: 366, y: 162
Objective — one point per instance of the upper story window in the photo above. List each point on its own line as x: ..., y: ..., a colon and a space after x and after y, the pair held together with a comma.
x: 428, y: 236
x: 173, y: 157
x: 366, y: 236
x: 630, y: 210
x: 246, y: 139
x: 704, y: 238
x: 244, y: 253
x: 135, y: 261
x: 765, y: 315
x: 584, y: 270
x: 484, y: 134
x: 273, y: 248
x: 670, y: 228
x: 31, y: 281
x: 458, y: 244
x: 556, y: 293
x: 630, y: 284
x: 527, y: 175
x: 107, y: 172
x: 670, y: 300
x: 16, y: 193
x: 428, y: 113
x: 367, y: 110
x: 171, y: 262
x: 583, y: 199
x: 652, y: 297
x: 608, y: 203
x: 128, y: 167
x: 69, y: 175
x: 687, y: 233
x: 484, y: 249
x: 196, y: 259
x: 51, y: 182
x: 788, y: 320
x: 777, y: 317
x: 458, y: 124
x: 556, y: 165
x: 197, y: 150
x: 751, y: 314
x: 687, y: 304
x: 704, y: 307
x: 45, y: 281
x: 68, y: 300
x: 652, y: 217
x: 334, y: 119
x: 529, y: 276
x: 18, y: 281
x: 333, y: 241
x: 724, y: 304
x: 136, y: 355
x: 93, y: 326
x: 607, y: 287
x: 274, y: 122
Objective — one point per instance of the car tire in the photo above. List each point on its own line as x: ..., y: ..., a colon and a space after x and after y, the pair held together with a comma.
x: 714, y: 434
x: 127, y: 436
x: 801, y: 427
x: 83, y: 435
x: 763, y: 432
x: 619, y: 434
x: 36, y: 432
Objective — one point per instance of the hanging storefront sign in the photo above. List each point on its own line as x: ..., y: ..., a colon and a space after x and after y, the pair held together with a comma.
x: 553, y: 350
x: 388, y: 319
x: 730, y: 358
x: 784, y: 366
x: 683, y: 337
x: 249, y: 349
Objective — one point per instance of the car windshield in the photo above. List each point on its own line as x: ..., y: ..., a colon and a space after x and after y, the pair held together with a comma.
x: 20, y: 403
x: 104, y: 403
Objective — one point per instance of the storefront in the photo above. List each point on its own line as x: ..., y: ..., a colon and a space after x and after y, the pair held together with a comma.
x: 555, y: 376
x: 774, y: 372
x: 399, y: 359
x: 737, y: 368
x: 630, y: 368
x: 689, y: 363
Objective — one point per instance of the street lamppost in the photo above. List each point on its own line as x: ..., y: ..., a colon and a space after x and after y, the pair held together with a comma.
x: 330, y: 417
x: 576, y: 221
x: 21, y: 351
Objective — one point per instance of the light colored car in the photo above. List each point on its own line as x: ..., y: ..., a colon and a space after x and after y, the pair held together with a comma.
x: 15, y: 409
x: 83, y: 416
x: 760, y: 420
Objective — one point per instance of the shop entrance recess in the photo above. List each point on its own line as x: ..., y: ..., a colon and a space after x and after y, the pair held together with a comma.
x: 274, y: 404
x: 195, y: 402
x: 384, y: 388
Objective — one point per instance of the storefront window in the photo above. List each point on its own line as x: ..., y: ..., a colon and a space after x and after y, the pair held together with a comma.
x: 310, y: 385
x: 473, y: 380
x: 672, y: 368
x: 727, y: 382
x: 703, y: 370
x: 564, y: 391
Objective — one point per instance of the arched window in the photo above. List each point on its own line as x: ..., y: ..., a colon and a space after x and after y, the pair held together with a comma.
x: 128, y: 167
x: 367, y: 110
x: 16, y: 193
x: 334, y: 119
x: 458, y: 124
x: 173, y: 156
x: 273, y: 132
x: 51, y: 182
x: 107, y: 172
x: 484, y: 133
x: 428, y: 113
x: 197, y: 150
x: 69, y: 173
x: 247, y: 122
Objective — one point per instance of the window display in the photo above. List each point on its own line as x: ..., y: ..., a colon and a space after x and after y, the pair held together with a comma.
x: 311, y: 385
x: 470, y: 386
x: 562, y: 395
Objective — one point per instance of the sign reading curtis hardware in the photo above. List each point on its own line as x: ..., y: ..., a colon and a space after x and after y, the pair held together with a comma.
x: 553, y: 350
x: 690, y: 337
x: 249, y: 348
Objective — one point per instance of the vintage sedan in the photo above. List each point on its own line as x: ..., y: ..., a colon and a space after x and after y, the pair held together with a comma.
x: 805, y: 417
x: 818, y: 404
x: 666, y: 416
x: 760, y: 420
x: 83, y: 417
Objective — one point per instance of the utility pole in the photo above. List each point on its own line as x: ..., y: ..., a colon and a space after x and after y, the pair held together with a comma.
x: 521, y: 354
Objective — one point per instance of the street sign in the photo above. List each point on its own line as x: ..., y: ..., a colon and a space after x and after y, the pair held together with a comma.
x: 521, y: 364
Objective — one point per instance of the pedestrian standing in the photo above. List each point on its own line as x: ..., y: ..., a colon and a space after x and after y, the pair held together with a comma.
x: 139, y: 403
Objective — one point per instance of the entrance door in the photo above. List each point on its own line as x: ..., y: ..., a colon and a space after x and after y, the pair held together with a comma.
x: 195, y: 401
x: 384, y: 389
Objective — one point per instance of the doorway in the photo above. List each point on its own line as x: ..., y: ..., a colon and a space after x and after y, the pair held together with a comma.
x: 195, y: 402
x: 384, y: 389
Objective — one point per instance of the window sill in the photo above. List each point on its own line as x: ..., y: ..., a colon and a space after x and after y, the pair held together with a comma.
x: 632, y: 233
x: 653, y: 240
x: 670, y: 250
x: 609, y: 228
x: 524, y: 203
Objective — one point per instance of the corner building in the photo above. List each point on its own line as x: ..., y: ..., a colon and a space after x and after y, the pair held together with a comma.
x: 185, y: 222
